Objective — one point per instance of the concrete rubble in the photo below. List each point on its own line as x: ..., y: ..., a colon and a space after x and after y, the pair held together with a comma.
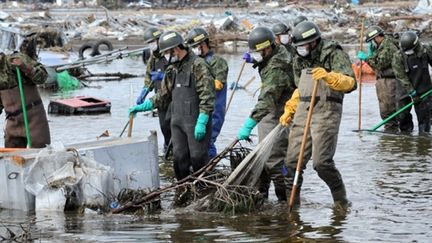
x: 337, y: 21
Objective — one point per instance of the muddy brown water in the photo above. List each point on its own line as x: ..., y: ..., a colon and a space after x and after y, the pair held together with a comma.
x: 388, y: 179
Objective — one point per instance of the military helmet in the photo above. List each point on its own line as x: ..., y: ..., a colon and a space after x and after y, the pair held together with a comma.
x: 280, y: 28
x: 408, y: 41
x: 260, y: 38
x: 169, y: 40
x: 304, y: 33
x: 373, y: 32
x: 29, y: 46
x: 196, y: 36
x: 299, y: 19
x: 151, y: 34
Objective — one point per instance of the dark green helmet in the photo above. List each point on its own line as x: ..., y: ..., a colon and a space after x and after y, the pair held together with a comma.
x: 373, y: 32
x: 280, y: 28
x: 408, y: 41
x: 260, y: 38
x: 196, y: 36
x: 299, y: 19
x: 169, y: 40
x: 304, y: 33
x: 151, y: 34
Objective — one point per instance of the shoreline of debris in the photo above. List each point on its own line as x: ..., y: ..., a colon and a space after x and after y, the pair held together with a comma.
x: 338, y: 21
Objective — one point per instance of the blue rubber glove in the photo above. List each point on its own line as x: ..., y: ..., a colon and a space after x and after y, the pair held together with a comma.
x: 146, y: 106
x: 156, y: 75
x: 246, y: 129
x: 200, y: 127
x: 141, y: 97
x: 362, y: 56
x: 247, y: 57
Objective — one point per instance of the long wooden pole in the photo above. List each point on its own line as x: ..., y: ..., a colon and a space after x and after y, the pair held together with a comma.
x: 303, y: 145
x: 360, y: 78
x: 232, y: 94
x: 131, y: 117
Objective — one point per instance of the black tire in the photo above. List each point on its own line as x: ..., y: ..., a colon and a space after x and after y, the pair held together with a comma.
x: 83, y: 48
x: 96, y: 47
x: 146, y: 55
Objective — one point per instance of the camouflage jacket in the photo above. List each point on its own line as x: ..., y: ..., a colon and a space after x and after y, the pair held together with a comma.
x: 328, y: 55
x: 154, y: 58
x: 381, y: 59
x: 204, y: 83
x: 218, y: 67
x: 291, y: 50
x: 277, y: 83
x: 400, y: 70
x: 32, y: 72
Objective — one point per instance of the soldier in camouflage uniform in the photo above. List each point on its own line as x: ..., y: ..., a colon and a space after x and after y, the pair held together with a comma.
x: 322, y: 61
x: 5, y: 73
x: 283, y: 37
x: 274, y: 66
x: 32, y: 73
x: 411, y: 67
x: 188, y: 87
x: 155, y: 69
x: 381, y: 51
x: 198, y: 40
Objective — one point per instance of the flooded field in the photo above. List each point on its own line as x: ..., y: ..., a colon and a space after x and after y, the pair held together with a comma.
x: 388, y: 180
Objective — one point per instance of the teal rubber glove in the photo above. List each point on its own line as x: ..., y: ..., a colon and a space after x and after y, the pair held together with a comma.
x: 362, y: 56
x: 146, y: 106
x: 201, y: 126
x: 246, y: 130
x: 371, y: 49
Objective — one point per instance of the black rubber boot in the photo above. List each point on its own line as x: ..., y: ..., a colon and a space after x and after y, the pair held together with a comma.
x: 296, y: 202
x: 340, y: 198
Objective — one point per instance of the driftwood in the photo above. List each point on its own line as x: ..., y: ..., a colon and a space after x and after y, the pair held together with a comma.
x: 197, y: 176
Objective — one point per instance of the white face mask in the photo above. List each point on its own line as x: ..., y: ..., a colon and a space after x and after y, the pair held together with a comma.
x: 302, y: 51
x: 257, y: 56
x: 284, y: 39
x: 153, y: 46
x: 196, y: 51
x: 171, y: 59
x: 409, y: 52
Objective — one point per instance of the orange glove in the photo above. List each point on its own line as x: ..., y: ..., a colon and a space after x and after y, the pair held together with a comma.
x: 218, y: 85
x: 290, y: 108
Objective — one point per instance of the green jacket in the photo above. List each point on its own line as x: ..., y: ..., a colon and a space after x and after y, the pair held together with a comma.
x: 204, y: 83
x: 219, y: 68
x: 398, y: 64
x: 277, y: 83
x: 329, y: 55
x: 381, y: 59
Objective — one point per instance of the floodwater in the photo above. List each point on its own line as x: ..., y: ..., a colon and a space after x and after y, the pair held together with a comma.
x: 388, y: 180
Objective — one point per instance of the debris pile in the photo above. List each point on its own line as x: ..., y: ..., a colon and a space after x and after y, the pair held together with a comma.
x: 337, y: 21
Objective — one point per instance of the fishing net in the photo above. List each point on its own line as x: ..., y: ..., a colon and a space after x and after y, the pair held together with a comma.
x: 249, y: 170
x: 66, y: 82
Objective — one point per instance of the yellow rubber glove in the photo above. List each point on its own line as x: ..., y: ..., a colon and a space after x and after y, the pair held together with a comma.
x: 218, y: 85
x: 290, y: 108
x: 336, y: 81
